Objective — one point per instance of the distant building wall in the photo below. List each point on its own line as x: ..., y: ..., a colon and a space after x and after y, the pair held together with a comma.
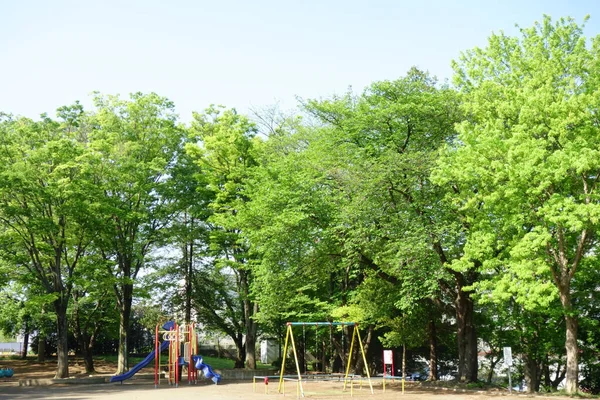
x: 10, y: 348
x: 269, y: 351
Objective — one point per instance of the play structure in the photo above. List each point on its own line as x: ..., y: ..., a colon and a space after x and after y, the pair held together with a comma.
x: 6, y: 373
x: 299, y: 378
x: 182, y: 345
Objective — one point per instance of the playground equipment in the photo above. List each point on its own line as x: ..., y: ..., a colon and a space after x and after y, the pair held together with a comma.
x: 182, y: 345
x: 6, y: 373
x: 289, y: 338
x: 183, y: 349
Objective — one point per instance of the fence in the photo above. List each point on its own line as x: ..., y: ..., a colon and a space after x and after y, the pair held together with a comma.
x: 11, y: 348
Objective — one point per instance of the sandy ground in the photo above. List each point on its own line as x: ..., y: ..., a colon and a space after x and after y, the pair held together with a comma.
x: 230, y: 391
x: 29, y: 369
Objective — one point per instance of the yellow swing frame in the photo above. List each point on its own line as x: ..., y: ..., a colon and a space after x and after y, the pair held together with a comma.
x: 289, y: 337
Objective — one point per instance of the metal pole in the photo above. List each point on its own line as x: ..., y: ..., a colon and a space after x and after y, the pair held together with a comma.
x: 283, y: 358
x: 349, y: 357
x: 156, y: 357
x: 362, y: 350
x: 297, y: 365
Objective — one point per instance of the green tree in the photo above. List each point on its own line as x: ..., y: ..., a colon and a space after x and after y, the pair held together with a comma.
x: 347, y: 201
x: 526, y: 163
x: 93, y: 307
x: 225, y: 154
x: 188, y: 232
x: 137, y: 142
x: 46, y: 198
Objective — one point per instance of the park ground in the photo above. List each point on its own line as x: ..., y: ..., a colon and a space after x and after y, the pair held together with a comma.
x: 143, y: 389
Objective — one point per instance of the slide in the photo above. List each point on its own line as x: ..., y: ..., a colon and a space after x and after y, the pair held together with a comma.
x: 206, y: 370
x: 119, y: 378
x: 163, y: 346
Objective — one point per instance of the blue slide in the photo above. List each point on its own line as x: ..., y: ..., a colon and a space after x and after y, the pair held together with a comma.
x: 163, y: 346
x: 119, y: 378
x: 206, y: 370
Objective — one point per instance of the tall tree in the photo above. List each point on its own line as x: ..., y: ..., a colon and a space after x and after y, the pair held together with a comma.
x: 348, y: 201
x: 93, y: 308
x: 526, y: 163
x: 225, y: 154
x: 46, y: 197
x: 137, y: 141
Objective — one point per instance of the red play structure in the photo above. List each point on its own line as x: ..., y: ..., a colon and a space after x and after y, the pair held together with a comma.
x: 182, y: 344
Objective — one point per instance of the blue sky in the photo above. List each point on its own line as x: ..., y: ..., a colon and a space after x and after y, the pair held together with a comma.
x: 240, y: 54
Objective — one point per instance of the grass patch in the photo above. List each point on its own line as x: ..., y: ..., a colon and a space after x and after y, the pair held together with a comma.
x: 218, y: 363
x: 115, y: 359
x: 214, y: 362
x: 12, y: 357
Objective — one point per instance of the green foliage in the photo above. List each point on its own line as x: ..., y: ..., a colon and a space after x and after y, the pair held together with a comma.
x: 525, y: 165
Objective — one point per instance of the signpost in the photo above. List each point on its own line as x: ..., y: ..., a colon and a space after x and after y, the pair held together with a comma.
x: 388, y: 359
x: 508, y: 361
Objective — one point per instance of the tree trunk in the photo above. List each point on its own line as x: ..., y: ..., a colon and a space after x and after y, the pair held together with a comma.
x: 433, y: 370
x: 572, y: 382
x: 188, y: 282
x: 466, y: 335
x: 62, y: 347
x: 559, y: 375
x: 241, y: 352
x: 571, y: 347
x: 88, y: 358
x: 251, y: 349
x: 250, y: 309
x: 532, y: 373
x: 41, y: 357
x: 125, y: 316
x: 493, y: 363
x: 25, y: 341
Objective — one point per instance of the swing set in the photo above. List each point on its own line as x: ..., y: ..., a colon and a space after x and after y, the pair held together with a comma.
x: 289, y: 339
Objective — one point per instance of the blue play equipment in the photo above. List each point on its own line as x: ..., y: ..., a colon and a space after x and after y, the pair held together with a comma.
x: 140, y: 365
x: 200, y: 365
x: 206, y: 370
x: 6, y: 373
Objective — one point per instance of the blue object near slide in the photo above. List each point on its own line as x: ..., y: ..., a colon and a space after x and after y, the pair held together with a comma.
x: 120, y: 378
x: 163, y: 346
x: 206, y: 370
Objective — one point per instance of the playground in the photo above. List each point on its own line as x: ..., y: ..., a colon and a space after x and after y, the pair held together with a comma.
x: 179, y: 342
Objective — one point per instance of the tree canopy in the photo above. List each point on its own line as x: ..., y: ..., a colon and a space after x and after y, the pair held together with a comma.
x: 449, y: 219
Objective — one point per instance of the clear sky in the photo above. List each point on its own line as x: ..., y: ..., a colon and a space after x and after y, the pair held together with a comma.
x: 240, y: 53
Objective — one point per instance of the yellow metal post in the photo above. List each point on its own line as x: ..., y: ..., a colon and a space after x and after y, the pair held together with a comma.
x: 296, y: 359
x: 349, y: 356
x: 287, y: 336
x: 362, y: 350
x: 402, y: 385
